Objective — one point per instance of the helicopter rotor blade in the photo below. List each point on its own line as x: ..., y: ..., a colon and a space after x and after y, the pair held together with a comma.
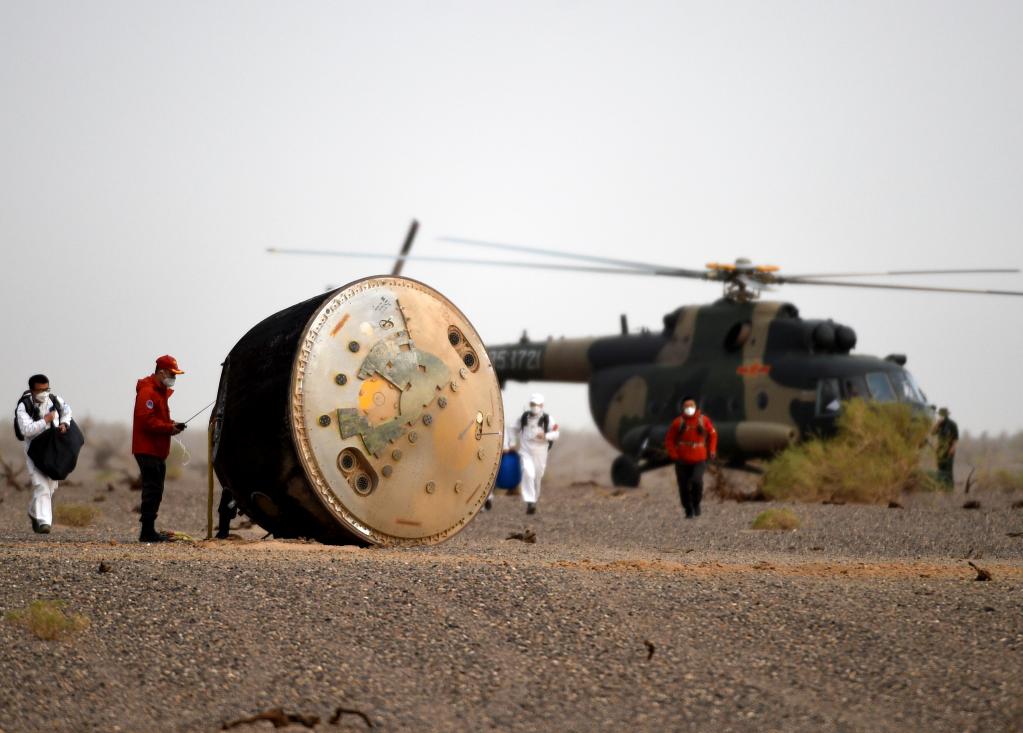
x: 983, y: 271
x: 921, y: 288
x: 464, y: 261
x: 681, y: 272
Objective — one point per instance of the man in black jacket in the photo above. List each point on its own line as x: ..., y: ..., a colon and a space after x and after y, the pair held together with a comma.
x: 947, y: 433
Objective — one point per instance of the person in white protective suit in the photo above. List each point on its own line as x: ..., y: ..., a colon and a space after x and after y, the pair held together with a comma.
x: 40, y: 410
x: 536, y: 432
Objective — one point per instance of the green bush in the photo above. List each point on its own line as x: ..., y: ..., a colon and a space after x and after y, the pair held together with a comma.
x: 874, y: 457
x: 776, y: 519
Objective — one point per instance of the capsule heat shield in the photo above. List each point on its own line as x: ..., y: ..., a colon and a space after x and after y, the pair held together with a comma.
x: 371, y: 414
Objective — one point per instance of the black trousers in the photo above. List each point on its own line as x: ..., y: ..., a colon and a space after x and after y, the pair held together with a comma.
x: 154, y: 471
x: 228, y: 510
x: 945, y: 474
x: 690, y: 485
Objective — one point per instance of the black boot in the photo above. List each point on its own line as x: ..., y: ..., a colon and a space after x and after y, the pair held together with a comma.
x: 224, y: 528
x: 149, y: 533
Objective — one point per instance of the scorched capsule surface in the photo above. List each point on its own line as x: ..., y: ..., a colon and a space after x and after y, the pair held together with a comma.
x: 371, y: 414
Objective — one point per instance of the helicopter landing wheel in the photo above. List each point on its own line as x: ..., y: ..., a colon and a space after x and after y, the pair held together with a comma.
x: 625, y: 471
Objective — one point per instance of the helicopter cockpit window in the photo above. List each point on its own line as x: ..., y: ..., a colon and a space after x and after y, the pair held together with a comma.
x: 906, y: 388
x: 916, y: 388
x: 829, y: 399
x: 880, y: 388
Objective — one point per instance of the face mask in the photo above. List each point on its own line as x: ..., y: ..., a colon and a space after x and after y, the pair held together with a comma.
x: 689, y: 411
x: 169, y: 381
x: 41, y: 397
x: 535, y: 409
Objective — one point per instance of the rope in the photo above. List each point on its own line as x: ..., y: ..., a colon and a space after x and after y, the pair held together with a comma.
x: 209, y: 478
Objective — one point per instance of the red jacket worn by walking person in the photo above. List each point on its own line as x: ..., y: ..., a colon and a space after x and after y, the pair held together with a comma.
x: 152, y: 427
x: 691, y: 439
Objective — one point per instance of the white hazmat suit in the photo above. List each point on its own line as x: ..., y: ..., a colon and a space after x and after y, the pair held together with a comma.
x: 534, y: 441
x: 40, y: 508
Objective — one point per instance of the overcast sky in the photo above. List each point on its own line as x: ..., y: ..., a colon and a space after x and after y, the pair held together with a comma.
x: 150, y: 152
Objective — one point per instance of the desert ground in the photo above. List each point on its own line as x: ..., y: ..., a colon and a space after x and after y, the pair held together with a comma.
x: 620, y: 616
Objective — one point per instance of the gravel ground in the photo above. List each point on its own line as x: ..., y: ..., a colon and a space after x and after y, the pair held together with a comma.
x: 622, y: 615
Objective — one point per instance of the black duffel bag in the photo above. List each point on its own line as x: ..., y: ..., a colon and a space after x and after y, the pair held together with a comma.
x: 56, y: 453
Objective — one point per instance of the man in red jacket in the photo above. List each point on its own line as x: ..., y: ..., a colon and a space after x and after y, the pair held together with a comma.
x: 691, y: 439
x: 150, y: 439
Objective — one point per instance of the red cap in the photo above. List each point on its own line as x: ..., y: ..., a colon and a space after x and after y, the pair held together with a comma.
x: 168, y: 362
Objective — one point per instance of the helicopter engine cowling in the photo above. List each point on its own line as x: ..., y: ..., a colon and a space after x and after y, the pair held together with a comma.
x: 823, y: 337
x: 845, y: 339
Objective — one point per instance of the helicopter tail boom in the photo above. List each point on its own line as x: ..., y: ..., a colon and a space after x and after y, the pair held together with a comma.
x: 563, y: 360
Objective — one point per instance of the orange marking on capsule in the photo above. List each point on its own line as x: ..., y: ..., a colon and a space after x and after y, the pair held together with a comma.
x: 340, y: 324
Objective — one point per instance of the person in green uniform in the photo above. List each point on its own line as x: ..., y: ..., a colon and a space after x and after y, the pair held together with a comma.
x: 947, y: 433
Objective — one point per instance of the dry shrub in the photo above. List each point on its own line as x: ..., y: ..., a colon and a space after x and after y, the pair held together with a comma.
x: 47, y: 620
x: 874, y: 457
x: 75, y: 515
x: 776, y: 519
x: 999, y: 479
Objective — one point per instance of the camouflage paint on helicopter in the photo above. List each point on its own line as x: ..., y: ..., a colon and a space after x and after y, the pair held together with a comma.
x: 764, y: 375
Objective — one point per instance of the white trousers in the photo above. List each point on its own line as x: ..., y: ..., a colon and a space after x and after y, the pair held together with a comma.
x: 41, y: 506
x: 534, y: 463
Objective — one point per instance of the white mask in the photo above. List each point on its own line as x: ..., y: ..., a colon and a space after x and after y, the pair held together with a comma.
x: 41, y: 397
x: 169, y: 381
x: 689, y: 411
x: 535, y: 410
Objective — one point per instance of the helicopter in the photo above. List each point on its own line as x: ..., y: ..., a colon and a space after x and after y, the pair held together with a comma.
x: 765, y: 375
